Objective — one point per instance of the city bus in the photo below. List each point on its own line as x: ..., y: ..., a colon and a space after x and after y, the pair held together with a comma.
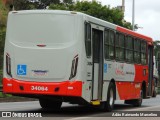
x: 66, y: 56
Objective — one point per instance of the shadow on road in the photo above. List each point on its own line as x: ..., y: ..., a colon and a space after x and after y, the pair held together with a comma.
x: 80, y: 111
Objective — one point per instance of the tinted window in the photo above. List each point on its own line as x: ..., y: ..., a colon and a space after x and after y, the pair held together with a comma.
x: 129, y: 48
x: 88, y: 39
x: 120, y: 38
x: 109, y: 37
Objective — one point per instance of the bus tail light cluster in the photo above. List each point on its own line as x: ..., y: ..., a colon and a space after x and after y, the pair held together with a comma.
x: 74, y: 67
x: 8, y: 65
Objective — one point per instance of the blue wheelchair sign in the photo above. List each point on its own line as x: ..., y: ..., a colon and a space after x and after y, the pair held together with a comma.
x: 105, y: 68
x: 21, y: 69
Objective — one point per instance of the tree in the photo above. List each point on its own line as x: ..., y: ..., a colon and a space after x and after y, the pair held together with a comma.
x: 3, y: 19
x: 27, y: 4
x: 95, y: 9
x: 21, y: 4
x: 48, y: 2
x: 68, y: 1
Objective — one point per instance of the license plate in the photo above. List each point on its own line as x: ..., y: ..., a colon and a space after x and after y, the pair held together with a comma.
x: 39, y: 73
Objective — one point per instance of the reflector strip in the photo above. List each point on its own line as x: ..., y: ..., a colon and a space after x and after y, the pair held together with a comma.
x: 41, y: 45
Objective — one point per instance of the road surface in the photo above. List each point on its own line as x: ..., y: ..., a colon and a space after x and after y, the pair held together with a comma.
x: 75, y: 112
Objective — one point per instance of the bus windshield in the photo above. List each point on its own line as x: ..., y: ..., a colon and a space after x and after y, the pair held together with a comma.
x: 41, y: 28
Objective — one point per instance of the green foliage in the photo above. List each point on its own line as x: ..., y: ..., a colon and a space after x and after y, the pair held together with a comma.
x: 58, y: 7
x: 2, y: 40
x: 42, y: 4
x: 4, y: 95
x: 48, y: 2
x: 3, y: 19
x: 3, y: 15
x: 24, y: 5
x: 1, y: 75
x: 68, y: 1
x: 95, y: 9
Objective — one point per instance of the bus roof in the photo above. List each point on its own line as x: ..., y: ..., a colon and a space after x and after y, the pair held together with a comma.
x: 102, y: 22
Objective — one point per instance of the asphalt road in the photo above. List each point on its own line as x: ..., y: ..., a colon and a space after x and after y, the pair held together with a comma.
x: 75, y: 112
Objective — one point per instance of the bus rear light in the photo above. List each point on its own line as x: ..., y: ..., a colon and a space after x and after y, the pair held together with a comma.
x: 8, y: 65
x: 74, y: 67
x: 70, y: 88
x: 9, y: 85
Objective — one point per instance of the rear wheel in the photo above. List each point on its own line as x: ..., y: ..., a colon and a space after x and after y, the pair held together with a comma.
x: 50, y: 104
x: 154, y: 93
x: 109, y: 104
x: 136, y: 102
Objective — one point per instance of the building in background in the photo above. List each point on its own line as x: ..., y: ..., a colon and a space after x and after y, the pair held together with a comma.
x: 122, y: 7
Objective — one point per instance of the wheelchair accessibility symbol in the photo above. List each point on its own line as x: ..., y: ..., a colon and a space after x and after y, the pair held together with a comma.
x: 105, y: 68
x: 21, y: 69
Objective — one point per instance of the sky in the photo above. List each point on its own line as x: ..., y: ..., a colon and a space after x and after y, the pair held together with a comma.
x: 147, y: 15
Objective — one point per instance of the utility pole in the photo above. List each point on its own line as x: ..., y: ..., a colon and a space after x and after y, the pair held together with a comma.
x: 133, y: 14
x: 123, y: 6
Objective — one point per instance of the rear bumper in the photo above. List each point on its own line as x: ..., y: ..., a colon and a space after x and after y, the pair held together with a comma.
x: 66, y: 88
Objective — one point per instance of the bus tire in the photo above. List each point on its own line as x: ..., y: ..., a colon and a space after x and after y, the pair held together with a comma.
x: 109, y: 104
x: 154, y: 94
x: 50, y: 104
x: 135, y: 102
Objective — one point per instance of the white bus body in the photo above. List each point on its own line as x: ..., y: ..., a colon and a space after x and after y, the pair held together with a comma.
x: 45, y: 58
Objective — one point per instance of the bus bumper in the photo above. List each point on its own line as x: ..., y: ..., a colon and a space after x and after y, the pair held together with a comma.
x: 65, y: 88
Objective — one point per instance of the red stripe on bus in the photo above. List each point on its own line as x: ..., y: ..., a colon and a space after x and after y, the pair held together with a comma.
x: 129, y: 32
x: 65, y: 88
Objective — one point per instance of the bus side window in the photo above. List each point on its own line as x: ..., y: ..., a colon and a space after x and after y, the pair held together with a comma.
x: 129, y: 49
x: 143, y: 52
x: 88, y: 39
x: 106, y: 44
x: 109, y: 38
x: 111, y: 47
x: 120, y: 46
x: 137, y: 50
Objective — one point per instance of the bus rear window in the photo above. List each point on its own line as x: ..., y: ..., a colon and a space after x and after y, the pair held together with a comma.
x: 43, y: 28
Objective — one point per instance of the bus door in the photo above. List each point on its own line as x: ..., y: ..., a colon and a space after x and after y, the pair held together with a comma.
x: 97, y: 70
x: 150, y: 69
